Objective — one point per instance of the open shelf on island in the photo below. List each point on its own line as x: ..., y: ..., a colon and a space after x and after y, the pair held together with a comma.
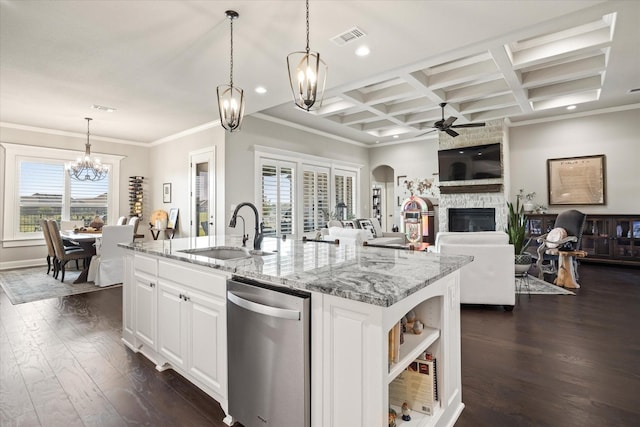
x: 412, y: 347
x: 418, y: 419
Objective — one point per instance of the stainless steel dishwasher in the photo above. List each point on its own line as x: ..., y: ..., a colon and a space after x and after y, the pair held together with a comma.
x: 268, y: 352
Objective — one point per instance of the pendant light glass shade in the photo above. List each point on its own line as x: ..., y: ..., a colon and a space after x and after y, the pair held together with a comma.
x: 85, y: 168
x: 231, y: 98
x: 307, y: 76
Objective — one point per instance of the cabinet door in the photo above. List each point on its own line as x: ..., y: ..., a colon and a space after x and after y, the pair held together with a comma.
x: 145, y: 309
x: 208, y: 340
x: 595, y: 238
x: 172, y: 319
x: 128, y: 288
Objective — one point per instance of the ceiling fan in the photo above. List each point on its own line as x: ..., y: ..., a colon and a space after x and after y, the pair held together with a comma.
x: 447, y: 125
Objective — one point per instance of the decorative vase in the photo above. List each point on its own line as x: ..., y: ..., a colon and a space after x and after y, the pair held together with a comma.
x: 522, y: 263
x: 528, y: 206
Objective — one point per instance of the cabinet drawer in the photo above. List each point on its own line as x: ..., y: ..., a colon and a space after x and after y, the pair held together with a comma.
x: 146, y: 264
x: 213, y: 283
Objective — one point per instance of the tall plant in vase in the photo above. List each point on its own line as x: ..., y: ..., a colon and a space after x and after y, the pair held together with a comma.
x: 517, y: 231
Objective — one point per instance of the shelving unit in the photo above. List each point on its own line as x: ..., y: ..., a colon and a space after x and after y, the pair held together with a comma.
x: 376, y: 203
x: 136, y: 193
x: 429, y: 312
x: 612, y: 239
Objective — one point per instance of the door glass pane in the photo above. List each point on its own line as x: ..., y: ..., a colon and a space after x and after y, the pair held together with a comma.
x: 201, y: 198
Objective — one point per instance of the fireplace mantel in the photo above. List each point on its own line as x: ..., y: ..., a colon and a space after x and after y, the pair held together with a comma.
x: 472, y: 188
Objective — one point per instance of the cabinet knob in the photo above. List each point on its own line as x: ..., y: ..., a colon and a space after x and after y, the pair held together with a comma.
x: 181, y: 296
x: 151, y: 284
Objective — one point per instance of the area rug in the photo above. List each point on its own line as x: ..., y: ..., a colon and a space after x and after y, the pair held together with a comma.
x: 34, y: 284
x: 538, y: 287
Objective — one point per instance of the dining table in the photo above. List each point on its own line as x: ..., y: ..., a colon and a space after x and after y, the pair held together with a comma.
x: 86, y: 240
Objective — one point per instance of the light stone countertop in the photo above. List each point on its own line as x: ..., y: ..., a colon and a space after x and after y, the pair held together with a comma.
x: 373, y: 275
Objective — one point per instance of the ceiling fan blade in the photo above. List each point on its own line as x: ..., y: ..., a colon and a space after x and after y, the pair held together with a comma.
x: 452, y: 132
x: 468, y: 125
x: 449, y: 121
x: 424, y: 133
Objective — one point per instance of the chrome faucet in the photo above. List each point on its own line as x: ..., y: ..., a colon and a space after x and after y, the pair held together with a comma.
x: 257, y: 239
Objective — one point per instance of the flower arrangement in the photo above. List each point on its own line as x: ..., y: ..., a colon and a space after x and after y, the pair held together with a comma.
x: 528, y: 196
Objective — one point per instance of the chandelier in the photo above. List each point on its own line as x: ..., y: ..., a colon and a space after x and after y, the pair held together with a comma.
x: 85, y: 168
x: 307, y: 76
x: 230, y: 98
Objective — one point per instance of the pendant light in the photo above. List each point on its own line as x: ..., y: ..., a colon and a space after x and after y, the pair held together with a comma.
x: 307, y: 76
x: 230, y: 98
x: 85, y: 168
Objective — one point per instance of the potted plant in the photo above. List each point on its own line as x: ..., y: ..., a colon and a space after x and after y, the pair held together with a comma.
x: 516, y: 229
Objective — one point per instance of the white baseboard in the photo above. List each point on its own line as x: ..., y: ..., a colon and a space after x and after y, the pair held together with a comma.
x: 9, y: 265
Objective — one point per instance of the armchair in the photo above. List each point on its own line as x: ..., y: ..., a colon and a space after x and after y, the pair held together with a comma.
x: 567, y: 235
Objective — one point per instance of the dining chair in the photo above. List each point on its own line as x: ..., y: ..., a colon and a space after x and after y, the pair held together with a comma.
x: 63, y: 254
x: 122, y: 220
x: 107, y: 266
x: 51, y: 252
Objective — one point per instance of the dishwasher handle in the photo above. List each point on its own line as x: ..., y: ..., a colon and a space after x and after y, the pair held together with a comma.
x: 266, y: 310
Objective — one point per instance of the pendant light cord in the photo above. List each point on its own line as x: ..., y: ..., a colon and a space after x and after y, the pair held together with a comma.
x: 231, y: 62
x: 307, y: 27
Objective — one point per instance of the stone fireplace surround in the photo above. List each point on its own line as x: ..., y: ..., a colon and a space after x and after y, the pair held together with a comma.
x: 471, y: 193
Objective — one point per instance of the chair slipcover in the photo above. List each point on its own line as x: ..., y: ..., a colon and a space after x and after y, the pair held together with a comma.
x: 107, y: 266
x: 122, y: 220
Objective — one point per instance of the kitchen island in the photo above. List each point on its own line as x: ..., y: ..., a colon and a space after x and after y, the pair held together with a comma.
x: 174, y: 312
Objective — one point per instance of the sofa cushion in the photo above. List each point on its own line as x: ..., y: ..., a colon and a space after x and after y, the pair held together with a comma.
x: 357, y: 235
x: 471, y: 238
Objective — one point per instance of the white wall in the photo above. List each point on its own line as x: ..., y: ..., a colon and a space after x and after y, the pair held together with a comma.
x: 239, y: 158
x: 616, y: 135
x: 169, y: 163
x: 134, y: 163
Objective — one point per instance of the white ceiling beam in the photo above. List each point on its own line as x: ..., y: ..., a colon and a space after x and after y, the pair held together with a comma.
x: 565, y: 88
x: 566, y: 71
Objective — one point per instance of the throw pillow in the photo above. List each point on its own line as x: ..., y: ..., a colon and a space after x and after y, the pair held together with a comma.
x: 555, y: 235
x: 366, y: 224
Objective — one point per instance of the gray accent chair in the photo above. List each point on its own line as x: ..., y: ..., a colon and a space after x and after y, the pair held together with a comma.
x: 573, y: 222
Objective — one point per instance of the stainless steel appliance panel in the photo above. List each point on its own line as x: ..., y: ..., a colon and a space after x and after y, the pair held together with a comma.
x: 268, y: 351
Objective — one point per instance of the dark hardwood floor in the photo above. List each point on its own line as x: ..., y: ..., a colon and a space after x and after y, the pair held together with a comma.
x: 553, y: 361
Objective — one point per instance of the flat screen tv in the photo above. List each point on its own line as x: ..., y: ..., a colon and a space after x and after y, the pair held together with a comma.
x: 466, y: 163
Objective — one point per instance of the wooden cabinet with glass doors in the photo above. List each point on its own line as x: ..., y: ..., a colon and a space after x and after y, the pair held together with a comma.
x: 611, y: 239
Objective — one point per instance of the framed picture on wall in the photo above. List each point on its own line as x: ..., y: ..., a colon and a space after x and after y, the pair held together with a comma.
x: 166, y: 192
x: 577, y: 180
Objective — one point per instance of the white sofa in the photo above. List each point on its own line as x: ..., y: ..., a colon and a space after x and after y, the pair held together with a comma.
x: 336, y: 231
x: 490, y: 278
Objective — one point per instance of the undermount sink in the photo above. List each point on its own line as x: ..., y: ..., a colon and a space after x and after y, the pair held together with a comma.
x: 220, y: 252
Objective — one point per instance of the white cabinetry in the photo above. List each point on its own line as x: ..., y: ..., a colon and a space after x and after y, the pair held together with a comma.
x: 145, y: 301
x: 175, y: 314
x: 192, y: 327
x: 355, y: 371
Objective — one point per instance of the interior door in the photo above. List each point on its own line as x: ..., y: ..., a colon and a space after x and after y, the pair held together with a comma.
x: 202, y: 193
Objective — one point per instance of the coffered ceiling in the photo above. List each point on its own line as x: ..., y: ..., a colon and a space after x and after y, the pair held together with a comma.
x: 158, y: 63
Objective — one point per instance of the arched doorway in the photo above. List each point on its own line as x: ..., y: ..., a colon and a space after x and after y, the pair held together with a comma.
x: 382, y: 193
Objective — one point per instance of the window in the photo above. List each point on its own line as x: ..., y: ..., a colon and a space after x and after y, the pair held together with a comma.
x: 345, y: 184
x: 277, y: 189
x: 43, y: 189
x: 295, y: 192
x: 315, y: 193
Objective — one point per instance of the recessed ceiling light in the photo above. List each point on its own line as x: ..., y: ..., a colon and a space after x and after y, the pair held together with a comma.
x: 103, y: 108
x: 396, y: 136
x: 571, y: 107
x: 261, y: 89
x: 363, y: 51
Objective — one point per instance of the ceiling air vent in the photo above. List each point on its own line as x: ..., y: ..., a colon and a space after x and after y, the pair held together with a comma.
x: 348, y: 36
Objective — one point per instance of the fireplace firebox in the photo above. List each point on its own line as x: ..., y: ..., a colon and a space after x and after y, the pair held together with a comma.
x: 472, y: 219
